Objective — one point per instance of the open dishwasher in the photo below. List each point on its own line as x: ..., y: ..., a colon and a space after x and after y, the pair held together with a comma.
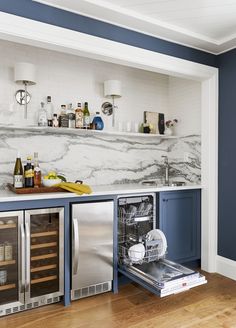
x: 142, y: 249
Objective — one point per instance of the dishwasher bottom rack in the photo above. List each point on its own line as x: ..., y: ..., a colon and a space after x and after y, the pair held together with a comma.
x: 133, y: 254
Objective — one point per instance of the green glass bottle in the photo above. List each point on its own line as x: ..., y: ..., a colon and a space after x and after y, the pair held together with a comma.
x: 86, y: 116
x: 18, y: 173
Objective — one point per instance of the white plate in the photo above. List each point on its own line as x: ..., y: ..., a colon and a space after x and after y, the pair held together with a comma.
x: 157, y: 234
x: 136, y: 252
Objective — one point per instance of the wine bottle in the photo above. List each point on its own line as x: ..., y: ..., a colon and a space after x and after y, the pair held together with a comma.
x: 79, y: 117
x: 161, y: 123
x: 37, y: 171
x: 29, y: 173
x: 18, y: 173
x: 86, y: 116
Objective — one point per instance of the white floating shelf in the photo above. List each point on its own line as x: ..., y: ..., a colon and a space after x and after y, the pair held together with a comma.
x: 84, y: 132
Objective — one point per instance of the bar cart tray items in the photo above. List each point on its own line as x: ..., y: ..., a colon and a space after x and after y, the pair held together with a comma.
x: 35, y: 190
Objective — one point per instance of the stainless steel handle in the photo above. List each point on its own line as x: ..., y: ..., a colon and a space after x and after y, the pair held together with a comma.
x: 27, y: 234
x: 22, y: 262
x: 75, y: 259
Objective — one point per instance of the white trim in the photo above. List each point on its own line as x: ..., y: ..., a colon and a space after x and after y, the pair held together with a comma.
x: 226, y: 267
x: 209, y: 126
x: 129, y: 19
x: 29, y: 32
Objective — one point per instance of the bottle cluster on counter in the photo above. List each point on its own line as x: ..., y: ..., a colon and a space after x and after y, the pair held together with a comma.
x: 69, y: 117
x: 28, y: 177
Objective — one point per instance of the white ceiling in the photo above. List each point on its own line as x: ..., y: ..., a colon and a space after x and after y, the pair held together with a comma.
x: 209, y: 25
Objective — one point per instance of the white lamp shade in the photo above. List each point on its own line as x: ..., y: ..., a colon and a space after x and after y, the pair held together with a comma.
x: 112, y: 88
x: 25, y: 72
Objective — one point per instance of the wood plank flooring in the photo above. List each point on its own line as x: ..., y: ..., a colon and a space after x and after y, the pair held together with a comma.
x: 208, y: 306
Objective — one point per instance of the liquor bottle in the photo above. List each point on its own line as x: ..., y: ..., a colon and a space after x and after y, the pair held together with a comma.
x: 29, y: 173
x: 42, y: 116
x: 49, y: 110
x: 71, y: 116
x: 18, y: 173
x: 98, y: 122
x: 63, y: 118
x: 55, y: 122
x: 37, y: 171
x: 79, y: 117
x: 161, y: 123
x: 86, y: 116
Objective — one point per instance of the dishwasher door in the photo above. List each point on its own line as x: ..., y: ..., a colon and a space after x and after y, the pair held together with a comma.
x: 92, y: 248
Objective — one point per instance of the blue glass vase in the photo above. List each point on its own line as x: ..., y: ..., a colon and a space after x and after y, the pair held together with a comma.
x: 98, y: 122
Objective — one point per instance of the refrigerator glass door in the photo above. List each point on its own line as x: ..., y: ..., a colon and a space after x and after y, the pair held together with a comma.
x: 92, y: 244
x: 12, y: 269
x: 44, y: 253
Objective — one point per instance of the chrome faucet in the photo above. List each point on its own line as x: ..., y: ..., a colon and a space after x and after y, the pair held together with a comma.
x: 167, y: 167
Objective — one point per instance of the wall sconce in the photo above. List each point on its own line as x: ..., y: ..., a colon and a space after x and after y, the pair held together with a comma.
x: 112, y: 89
x: 24, y: 74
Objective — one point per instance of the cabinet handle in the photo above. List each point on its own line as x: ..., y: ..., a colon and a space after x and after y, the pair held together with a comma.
x: 163, y: 200
x: 27, y: 236
x: 75, y: 245
x: 22, y: 262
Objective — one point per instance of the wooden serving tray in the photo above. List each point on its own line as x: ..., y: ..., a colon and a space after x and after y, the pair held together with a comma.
x: 36, y: 190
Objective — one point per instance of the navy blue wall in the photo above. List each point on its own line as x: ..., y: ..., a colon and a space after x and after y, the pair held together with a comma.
x: 227, y: 155
x: 62, y: 18
x: 227, y: 99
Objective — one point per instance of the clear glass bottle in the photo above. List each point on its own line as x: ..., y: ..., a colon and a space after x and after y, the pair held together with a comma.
x: 37, y: 171
x: 79, y: 117
x: 55, y: 122
x: 42, y: 116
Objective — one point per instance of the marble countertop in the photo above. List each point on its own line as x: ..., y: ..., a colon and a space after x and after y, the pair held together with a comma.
x: 104, y: 190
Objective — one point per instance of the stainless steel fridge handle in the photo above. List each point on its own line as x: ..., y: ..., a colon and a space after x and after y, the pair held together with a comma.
x: 75, y: 259
x: 22, y: 262
x: 27, y: 234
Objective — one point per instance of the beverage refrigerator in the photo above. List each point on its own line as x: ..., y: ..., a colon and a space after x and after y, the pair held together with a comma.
x: 31, y: 259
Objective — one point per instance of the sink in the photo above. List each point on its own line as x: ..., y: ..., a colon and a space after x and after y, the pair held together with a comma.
x: 151, y: 183
x: 157, y: 183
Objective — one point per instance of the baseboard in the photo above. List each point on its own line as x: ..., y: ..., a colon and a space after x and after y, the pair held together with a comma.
x: 226, y: 267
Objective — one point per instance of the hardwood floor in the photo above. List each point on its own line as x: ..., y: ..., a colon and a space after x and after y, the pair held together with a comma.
x: 208, y: 306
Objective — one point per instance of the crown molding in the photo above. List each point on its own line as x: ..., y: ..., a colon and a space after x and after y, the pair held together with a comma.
x: 113, y: 14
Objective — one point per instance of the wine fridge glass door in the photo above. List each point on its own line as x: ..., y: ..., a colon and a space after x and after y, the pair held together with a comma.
x: 12, y: 268
x: 44, y: 253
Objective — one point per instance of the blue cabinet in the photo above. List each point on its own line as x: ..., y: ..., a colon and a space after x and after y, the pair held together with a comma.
x: 180, y: 216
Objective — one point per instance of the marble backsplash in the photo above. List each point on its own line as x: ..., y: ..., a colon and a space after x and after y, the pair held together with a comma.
x: 100, y: 159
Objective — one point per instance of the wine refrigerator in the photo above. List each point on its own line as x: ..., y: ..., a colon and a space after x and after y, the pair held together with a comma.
x: 31, y: 259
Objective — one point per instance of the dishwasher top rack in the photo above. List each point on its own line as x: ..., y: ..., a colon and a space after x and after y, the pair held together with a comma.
x: 131, y: 214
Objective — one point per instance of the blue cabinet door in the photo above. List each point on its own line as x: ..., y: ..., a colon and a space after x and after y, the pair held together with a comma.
x: 180, y: 218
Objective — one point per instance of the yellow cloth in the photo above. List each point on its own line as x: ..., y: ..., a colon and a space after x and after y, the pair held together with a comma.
x: 76, y: 188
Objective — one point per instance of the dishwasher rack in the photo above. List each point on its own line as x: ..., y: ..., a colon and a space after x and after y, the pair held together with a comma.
x: 151, y: 253
x: 136, y: 217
